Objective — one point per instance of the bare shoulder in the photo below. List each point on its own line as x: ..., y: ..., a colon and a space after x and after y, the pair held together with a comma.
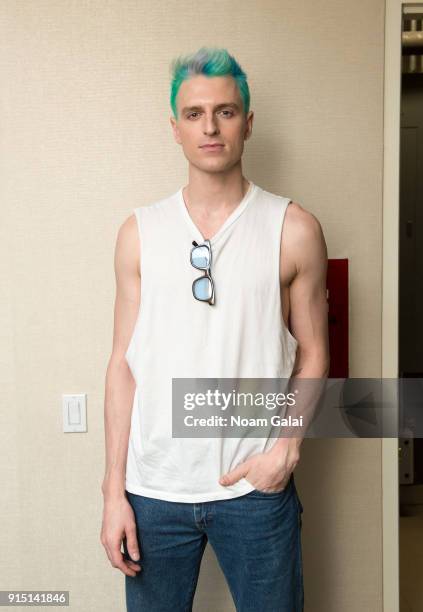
x: 303, y: 236
x: 127, y: 244
x: 128, y: 228
x: 302, y: 224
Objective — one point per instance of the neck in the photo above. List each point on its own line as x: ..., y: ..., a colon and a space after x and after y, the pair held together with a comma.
x: 215, y: 191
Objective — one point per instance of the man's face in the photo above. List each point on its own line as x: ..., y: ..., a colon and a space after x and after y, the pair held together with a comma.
x: 210, y: 111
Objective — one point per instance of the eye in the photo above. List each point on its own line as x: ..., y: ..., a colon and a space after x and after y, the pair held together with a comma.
x: 192, y: 114
x: 228, y: 111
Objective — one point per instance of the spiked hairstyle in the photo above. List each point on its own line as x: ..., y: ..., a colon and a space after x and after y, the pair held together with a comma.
x: 211, y: 62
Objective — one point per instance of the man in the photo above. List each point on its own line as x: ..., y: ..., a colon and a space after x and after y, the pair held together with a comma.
x: 203, y: 277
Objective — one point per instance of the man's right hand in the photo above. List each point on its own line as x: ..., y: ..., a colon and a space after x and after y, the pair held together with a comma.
x: 119, y: 523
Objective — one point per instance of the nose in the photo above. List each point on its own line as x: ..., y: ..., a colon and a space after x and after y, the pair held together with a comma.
x: 210, y: 125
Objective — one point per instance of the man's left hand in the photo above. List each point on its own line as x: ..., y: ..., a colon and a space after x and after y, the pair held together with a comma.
x: 269, y: 471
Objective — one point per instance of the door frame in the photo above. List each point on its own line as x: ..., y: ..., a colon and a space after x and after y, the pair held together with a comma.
x: 390, y: 293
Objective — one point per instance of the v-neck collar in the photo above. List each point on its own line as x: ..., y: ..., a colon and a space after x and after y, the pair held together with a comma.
x: 232, y: 217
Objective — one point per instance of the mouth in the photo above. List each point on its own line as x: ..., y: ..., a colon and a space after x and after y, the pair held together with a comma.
x: 212, y: 147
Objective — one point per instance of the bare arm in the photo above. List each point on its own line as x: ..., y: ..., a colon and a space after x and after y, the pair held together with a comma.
x: 309, y: 307
x: 120, y: 385
x: 118, y: 519
x: 305, y: 251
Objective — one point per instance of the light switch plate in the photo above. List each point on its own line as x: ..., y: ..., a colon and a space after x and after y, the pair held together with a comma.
x: 74, y: 412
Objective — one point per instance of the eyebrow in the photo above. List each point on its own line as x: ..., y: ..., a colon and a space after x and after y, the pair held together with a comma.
x: 196, y: 108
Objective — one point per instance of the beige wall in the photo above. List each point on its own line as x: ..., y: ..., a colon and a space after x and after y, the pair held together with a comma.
x: 85, y: 138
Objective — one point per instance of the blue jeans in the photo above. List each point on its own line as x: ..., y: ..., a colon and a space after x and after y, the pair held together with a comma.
x: 256, y: 538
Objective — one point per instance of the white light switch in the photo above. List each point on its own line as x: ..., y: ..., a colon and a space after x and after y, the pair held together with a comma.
x: 74, y: 412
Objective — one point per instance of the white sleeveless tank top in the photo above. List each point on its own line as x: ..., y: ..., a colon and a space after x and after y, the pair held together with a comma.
x: 242, y: 335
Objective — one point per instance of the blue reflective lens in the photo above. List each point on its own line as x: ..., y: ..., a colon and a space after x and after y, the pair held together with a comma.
x: 200, y: 257
x: 202, y: 288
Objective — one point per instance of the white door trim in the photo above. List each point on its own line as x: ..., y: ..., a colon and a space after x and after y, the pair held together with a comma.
x: 390, y: 275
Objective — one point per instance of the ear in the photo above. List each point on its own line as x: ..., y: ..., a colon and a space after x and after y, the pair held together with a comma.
x: 175, y: 130
x: 248, y: 125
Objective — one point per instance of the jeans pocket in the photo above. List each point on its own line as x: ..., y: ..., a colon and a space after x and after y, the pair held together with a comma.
x: 258, y: 493
x: 284, y: 491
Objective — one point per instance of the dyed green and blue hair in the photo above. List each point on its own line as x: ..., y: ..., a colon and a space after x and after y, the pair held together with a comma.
x: 211, y: 62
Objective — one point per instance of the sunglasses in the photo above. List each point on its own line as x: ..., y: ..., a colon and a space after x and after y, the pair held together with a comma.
x: 201, y: 258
